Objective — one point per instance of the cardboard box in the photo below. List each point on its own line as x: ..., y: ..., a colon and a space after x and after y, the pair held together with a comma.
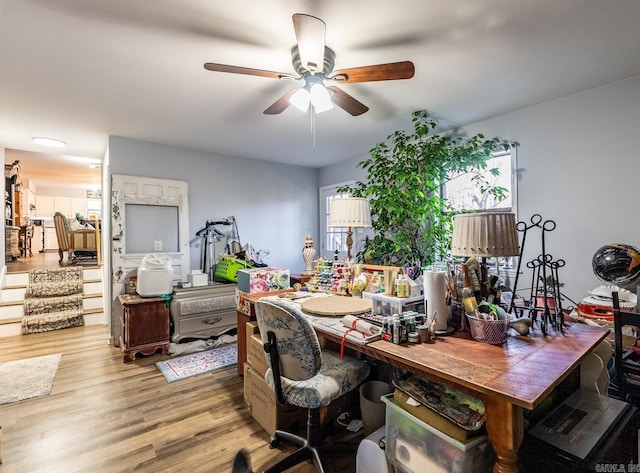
x: 252, y: 327
x: 256, y: 356
x: 263, y: 279
x: 628, y: 337
x: 198, y: 278
x: 266, y: 411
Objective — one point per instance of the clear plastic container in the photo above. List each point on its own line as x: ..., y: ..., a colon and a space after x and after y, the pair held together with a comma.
x: 414, y: 446
x: 383, y: 304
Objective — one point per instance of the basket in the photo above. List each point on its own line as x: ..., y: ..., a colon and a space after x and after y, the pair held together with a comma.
x: 228, y: 266
x: 493, y: 332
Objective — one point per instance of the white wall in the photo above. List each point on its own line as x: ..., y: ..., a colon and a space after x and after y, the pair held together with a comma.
x: 275, y: 205
x: 579, y: 163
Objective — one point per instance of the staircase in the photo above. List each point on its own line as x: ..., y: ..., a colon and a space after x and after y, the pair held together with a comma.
x: 13, y: 293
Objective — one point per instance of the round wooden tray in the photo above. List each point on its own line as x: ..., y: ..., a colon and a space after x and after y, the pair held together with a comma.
x: 336, y: 305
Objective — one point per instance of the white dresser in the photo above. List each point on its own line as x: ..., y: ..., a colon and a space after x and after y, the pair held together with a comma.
x: 203, y: 312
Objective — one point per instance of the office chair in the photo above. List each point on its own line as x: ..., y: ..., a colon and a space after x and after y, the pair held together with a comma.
x: 302, y: 374
x: 242, y: 462
x: 626, y: 362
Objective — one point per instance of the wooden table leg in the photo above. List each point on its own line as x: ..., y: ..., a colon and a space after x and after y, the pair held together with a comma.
x: 505, y: 429
x: 241, y: 324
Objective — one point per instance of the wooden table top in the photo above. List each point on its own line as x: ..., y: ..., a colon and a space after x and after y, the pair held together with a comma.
x: 522, y: 371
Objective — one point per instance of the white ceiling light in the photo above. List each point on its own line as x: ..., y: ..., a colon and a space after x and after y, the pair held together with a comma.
x: 320, y: 98
x: 315, y: 93
x: 40, y: 140
x: 300, y: 99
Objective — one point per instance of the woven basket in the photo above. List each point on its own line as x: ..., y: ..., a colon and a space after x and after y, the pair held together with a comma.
x: 493, y: 332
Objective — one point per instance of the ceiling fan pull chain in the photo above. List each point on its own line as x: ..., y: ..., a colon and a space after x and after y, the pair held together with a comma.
x: 313, y: 125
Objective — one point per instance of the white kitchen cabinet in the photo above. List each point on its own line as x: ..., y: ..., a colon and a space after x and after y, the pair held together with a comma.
x: 63, y: 205
x: 44, y: 206
x: 78, y: 206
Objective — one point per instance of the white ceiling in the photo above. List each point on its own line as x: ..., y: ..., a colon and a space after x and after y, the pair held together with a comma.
x: 80, y: 70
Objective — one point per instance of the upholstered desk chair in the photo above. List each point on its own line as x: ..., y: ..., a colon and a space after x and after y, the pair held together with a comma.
x: 626, y: 362
x: 302, y: 374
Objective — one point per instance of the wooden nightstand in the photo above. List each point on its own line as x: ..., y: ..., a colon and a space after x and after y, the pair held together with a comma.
x: 144, y: 326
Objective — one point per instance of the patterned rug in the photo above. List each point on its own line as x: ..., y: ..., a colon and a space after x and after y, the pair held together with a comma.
x: 28, y: 378
x: 53, y: 300
x: 199, y: 363
x: 54, y: 282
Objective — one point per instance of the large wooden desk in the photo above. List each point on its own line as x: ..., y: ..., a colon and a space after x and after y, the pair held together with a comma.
x: 508, y: 378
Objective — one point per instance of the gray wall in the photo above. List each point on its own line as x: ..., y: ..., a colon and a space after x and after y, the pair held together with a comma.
x: 578, y: 165
x: 275, y: 205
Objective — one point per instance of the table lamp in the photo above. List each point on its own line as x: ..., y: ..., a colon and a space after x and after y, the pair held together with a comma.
x: 350, y: 213
x: 485, y: 235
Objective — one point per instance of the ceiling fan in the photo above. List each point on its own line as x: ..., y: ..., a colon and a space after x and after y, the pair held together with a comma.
x: 313, y: 62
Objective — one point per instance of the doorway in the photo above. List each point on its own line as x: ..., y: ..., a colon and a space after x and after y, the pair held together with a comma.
x: 43, y: 184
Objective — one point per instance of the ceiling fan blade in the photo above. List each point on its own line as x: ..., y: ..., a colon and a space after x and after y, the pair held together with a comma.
x: 347, y: 102
x: 390, y: 71
x: 212, y: 66
x: 281, y: 104
x: 310, y: 35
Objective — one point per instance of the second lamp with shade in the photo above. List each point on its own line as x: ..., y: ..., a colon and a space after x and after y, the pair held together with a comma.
x: 485, y: 235
x: 349, y: 213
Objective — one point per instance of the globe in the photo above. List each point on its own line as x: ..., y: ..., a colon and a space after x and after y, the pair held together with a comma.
x: 617, y: 263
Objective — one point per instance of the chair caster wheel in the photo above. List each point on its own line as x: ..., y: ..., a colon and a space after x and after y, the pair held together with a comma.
x: 274, y: 442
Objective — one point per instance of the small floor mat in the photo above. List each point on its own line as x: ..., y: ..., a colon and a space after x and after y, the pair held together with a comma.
x: 199, y: 363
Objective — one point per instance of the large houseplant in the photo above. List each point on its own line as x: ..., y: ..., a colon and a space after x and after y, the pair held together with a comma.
x: 411, y: 220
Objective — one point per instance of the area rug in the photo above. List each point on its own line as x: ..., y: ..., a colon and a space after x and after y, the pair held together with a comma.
x: 199, y: 363
x: 28, y: 378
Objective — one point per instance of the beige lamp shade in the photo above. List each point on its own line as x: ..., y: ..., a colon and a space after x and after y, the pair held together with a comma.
x: 486, y: 234
x: 349, y: 212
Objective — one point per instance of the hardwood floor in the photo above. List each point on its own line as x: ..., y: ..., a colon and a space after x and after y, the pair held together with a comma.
x: 107, y: 416
x: 48, y: 259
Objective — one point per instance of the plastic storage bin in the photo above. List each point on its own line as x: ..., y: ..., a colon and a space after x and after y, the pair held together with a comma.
x: 382, y: 304
x: 155, y: 275
x: 416, y: 447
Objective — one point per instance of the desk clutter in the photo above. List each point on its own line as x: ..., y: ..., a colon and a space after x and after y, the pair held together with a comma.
x: 440, y: 441
x: 427, y: 427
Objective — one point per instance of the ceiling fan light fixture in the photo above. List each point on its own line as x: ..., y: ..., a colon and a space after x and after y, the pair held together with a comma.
x: 320, y: 98
x: 300, y: 99
x: 314, y: 63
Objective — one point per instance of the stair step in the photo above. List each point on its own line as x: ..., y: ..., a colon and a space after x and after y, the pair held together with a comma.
x: 13, y: 327
x: 13, y: 293
x: 16, y: 294
x: 21, y: 279
x: 15, y: 309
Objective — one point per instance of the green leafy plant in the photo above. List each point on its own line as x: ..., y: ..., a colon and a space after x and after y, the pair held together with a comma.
x: 411, y: 220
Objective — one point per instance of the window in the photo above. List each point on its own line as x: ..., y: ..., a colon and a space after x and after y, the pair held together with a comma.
x: 94, y: 209
x: 464, y: 194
